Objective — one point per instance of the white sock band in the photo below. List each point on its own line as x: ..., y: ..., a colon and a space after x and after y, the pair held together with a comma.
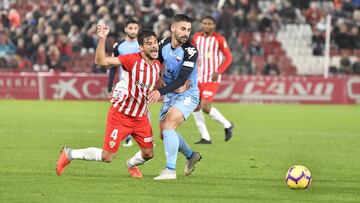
x: 136, y: 160
x: 217, y: 116
x: 89, y: 154
x: 200, y: 123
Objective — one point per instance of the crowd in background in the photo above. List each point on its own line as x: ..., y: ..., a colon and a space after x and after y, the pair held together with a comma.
x: 45, y: 35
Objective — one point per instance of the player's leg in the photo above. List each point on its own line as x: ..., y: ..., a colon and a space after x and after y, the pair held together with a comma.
x: 128, y: 142
x: 191, y: 156
x: 215, y: 113
x: 200, y: 123
x: 180, y: 108
x: 115, y: 132
x: 143, y: 136
x: 199, y: 116
x: 172, y: 119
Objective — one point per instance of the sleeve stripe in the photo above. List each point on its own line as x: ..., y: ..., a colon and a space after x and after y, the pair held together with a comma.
x: 189, y: 64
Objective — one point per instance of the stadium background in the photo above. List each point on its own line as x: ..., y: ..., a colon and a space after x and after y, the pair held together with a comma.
x: 285, y: 39
x: 47, y: 53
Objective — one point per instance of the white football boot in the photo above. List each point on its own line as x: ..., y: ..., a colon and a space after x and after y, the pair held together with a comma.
x: 166, y: 174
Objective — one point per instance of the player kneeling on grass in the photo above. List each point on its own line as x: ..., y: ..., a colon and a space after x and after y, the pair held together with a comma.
x: 127, y: 114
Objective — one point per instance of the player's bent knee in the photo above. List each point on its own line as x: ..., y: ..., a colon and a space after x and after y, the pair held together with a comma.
x: 107, y: 156
x: 147, y: 154
x: 168, y: 124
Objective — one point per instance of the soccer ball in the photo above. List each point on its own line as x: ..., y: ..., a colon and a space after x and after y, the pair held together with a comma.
x: 298, y: 177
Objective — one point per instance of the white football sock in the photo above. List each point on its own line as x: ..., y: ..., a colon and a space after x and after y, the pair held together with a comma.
x: 200, y: 122
x: 136, y: 160
x: 216, y: 115
x: 89, y: 154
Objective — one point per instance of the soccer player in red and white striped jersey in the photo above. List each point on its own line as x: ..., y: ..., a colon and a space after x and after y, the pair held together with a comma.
x: 127, y: 114
x: 214, y: 58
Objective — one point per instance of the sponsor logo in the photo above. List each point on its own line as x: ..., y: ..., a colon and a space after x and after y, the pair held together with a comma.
x: 191, y: 51
x: 187, y: 101
x: 189, y: 64
x: 142, y: 85
x: 277, y: 90
x: 148, y: 139
x: 207, y: 93
x: 112, y: 144
x: 63, y: 87
x: 21, y: 82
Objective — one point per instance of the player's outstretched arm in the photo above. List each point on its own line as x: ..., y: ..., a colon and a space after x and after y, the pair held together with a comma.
x: 100, y: 56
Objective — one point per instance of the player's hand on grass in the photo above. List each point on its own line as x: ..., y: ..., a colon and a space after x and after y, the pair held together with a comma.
x: 183, y: 88
x: 153, y: 97
x: 102, y: 31
x: 215, y: 76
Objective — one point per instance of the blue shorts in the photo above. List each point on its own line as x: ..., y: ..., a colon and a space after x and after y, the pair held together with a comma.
x: 185, y: 102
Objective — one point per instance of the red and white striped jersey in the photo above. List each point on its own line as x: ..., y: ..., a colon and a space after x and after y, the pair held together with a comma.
x: 214, y: 55
x: 137, y: 80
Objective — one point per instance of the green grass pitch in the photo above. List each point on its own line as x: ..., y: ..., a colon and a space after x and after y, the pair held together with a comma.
x: 251, y: 167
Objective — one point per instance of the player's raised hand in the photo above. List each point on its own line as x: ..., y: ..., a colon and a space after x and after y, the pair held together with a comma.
x: 103, y: 31
x: 153, y: 97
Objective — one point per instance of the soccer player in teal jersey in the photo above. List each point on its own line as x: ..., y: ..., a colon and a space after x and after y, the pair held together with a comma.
x: 178, y: 57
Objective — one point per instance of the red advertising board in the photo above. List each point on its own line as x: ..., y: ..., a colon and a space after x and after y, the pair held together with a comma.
x: 76, y: 86
x: 335, y: 90
x: 239, y: 89
x: 19, y: 86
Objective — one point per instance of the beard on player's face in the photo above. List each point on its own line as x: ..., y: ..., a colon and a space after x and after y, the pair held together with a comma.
x: 132, y: 35
x: 181, y: 38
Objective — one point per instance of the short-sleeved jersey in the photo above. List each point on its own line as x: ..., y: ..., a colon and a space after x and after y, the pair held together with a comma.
x: 214, y: 55
x: 175, y: 58
x: 121, y: 48
x: 126, y: 47
x: 137, y: 80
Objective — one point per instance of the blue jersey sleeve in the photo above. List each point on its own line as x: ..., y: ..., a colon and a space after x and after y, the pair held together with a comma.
x: 162, y: 43
x: 189, y: 63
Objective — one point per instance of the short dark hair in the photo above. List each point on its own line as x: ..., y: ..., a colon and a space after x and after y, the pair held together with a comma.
x: 210, y: 18
x: 132, y: 21
x: 144, y: 34
x: 181, y: 18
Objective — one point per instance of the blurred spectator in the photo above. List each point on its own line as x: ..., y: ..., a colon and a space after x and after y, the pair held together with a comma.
x: 342, y: 37
x: 271, y: 68
x: 14, y: 18
x: 245, y: 64
x: 7, y: 48
x: 33, y: 46
x: 53, y: 59
x: 4, y: 4
x: 318, y: 43
x: 64, y: 47
x: 40, y: 59
x: 288, y: 13
x: 255, y: 49
x: 356, y: 66
x: 313, y: 14
x: 21, y: 49
x: 354, y: 38
x: 345, y: 63
x: 71, y: 25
